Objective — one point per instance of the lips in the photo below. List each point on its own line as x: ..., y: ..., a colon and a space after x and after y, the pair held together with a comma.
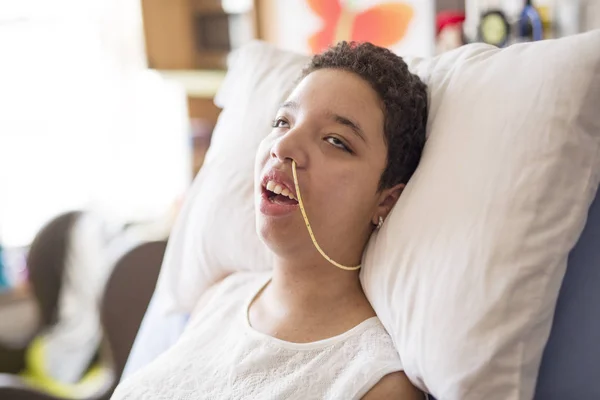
x: 278, y: 196
x: 279, y: 178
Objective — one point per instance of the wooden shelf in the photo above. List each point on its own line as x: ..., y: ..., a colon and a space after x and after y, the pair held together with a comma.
x: 207, y: 6
x: 197, y: 83
x: 192, y: 34
x: 168, y: 31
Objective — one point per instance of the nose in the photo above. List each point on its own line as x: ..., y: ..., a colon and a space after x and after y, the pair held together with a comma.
x: 292, y: 146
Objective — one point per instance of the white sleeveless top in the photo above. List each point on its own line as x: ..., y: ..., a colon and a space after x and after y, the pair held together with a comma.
x: 220, y: 356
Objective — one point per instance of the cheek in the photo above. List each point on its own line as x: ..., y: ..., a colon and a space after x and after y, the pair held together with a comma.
x: 264, y: 149
x: 349, y: 192
x: 262, y: 156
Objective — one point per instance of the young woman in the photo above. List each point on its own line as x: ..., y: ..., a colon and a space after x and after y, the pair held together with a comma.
x: 352, y: 132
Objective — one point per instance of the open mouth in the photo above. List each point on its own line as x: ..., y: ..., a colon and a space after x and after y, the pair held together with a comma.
x: 279, y: 194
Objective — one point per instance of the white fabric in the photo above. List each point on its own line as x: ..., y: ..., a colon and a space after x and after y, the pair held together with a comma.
x: 157, y: 333
x: 466, y: 270
x: 70, y: 344
x: 475, y: 251
x: 220, y: 356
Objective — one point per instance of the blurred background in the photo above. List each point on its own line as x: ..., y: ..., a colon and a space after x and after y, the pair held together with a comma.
x: 106, y: 114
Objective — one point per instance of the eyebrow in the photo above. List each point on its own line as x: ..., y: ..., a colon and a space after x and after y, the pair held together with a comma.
x: 290, y: 104
x: 350, y: 124
x: 335, y: 117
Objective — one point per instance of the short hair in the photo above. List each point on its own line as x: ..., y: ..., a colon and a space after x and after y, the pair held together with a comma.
x: 404, y: 98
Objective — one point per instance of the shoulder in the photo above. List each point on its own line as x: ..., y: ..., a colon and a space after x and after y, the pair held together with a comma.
x: 377, y: 345
x: 394, y: 386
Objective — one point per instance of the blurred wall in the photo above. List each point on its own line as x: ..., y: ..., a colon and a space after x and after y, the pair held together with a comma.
x: 82, y: 123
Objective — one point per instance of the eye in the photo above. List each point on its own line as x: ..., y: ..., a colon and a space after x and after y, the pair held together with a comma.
x: 334, y: 141
x: 280, y: 123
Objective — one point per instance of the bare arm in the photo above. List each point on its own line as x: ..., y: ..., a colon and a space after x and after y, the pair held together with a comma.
x: 394, y: 386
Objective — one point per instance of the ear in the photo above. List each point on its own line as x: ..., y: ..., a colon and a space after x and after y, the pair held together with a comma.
x: 387, y: 200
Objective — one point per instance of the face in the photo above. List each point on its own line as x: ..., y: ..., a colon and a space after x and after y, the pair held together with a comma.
x: 332, y: 126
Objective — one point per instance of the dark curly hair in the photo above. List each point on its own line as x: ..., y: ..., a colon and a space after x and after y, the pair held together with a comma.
x: 404, y: 98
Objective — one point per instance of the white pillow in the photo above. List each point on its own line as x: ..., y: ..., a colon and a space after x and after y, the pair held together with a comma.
x: 466, y: 270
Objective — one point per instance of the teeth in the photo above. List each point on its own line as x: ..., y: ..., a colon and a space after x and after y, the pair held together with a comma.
x: 278, y: 189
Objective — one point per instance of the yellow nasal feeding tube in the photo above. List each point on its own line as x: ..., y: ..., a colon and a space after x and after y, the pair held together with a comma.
x: 310, y: 232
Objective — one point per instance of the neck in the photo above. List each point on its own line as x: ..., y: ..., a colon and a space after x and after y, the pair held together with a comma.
x: 313, y: 286
x: 305, y: 302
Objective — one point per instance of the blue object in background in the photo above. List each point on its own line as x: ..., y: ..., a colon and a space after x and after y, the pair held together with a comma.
x: 3, y: 281
x: 530, y: 23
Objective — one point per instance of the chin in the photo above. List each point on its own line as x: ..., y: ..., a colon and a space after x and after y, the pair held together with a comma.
x: 282, y: 236
x: 271, y: 232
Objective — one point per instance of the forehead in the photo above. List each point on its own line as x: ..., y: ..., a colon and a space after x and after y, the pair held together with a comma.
x: 331, y: 91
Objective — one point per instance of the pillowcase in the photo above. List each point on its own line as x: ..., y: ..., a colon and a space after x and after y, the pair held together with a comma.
x: 465, y: 272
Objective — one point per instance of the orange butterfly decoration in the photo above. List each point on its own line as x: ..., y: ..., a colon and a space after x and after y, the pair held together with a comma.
x: 383, y: 25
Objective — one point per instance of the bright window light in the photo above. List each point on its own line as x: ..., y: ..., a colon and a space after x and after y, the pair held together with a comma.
x: 83, y: 123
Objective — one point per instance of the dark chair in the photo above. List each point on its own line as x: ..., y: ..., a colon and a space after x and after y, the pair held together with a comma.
x: 571, y: 364
x: 126, y: 297
x: 45, y: 262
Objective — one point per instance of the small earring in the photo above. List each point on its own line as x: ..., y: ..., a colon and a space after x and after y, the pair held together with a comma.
x: 380, y: 224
